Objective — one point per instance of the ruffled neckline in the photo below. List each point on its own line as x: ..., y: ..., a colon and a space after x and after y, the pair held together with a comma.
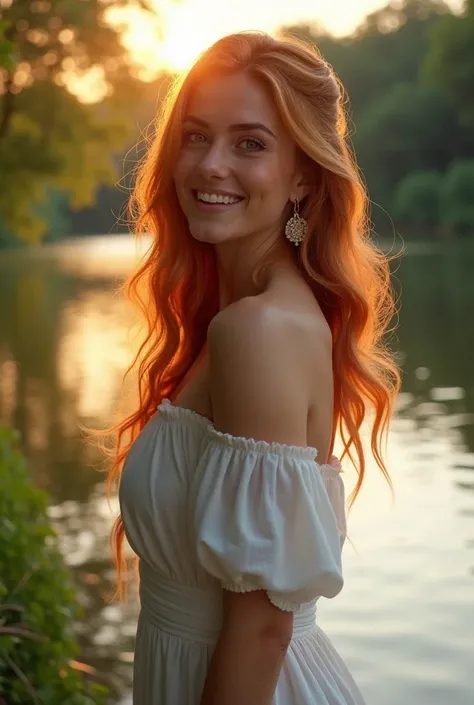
x: 184, y: 415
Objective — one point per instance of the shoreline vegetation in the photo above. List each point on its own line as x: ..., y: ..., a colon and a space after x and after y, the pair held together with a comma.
x: 38, y: 603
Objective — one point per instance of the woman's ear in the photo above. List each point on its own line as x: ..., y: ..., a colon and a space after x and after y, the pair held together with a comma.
x: 301, y: 181
x: 299, y: 191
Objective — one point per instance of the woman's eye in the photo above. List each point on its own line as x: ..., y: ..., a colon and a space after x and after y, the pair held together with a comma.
x: 194, y: 137
x: 252, y: 144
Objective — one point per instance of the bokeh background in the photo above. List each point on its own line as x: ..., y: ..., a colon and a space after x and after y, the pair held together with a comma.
x: 80, y: 82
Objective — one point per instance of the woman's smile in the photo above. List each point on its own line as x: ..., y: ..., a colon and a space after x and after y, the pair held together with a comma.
x: 215, y: 201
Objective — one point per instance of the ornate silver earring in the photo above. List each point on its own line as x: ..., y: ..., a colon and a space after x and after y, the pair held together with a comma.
x: 297, y: 227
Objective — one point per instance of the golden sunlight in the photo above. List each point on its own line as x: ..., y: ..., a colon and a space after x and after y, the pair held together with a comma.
x: 172, y: 37
x: 89, y: 86
x: 182, y: 29
x: 178, y: 52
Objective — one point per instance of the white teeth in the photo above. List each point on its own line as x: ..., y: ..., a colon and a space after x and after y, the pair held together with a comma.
x: 216, y: 198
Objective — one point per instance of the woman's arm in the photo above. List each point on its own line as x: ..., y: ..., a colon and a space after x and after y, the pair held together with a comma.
x: 259, y: 389
x: 246, y: 663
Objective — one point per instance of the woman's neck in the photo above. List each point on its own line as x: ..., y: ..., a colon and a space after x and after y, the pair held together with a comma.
x: 236, y: 271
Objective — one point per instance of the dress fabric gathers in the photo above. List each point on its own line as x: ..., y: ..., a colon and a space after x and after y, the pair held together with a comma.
x: 205, y: 510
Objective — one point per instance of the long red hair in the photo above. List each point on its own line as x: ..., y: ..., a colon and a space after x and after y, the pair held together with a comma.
x: 176, y: 287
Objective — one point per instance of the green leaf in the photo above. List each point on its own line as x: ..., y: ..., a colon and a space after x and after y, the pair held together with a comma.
x: 34, y: 578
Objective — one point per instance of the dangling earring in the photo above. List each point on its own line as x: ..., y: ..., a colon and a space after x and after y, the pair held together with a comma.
x: 297, y: 227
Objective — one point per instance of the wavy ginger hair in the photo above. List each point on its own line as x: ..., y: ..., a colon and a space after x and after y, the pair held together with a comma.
x: 176, y: 287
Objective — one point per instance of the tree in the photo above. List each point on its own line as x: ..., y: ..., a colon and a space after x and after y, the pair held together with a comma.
x: 398, y: 136
x: 449, y: 62
x: 399, y: 122
x: 6, y: 47
x: 398, y: 13
x: 457, y: 197
x: 50, y: 134
x: 417, y: 198
x: 386, y: 49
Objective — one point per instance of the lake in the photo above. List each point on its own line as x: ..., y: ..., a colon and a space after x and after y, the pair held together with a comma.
x: 405, y: 619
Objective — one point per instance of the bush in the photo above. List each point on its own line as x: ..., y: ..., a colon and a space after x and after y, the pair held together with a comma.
x: 417, y: 198
x: 457, y: 197
x: 37, y: 600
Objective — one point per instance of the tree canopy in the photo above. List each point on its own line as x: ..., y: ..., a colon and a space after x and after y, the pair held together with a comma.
x: 50, y: 133
x: 408, y: 71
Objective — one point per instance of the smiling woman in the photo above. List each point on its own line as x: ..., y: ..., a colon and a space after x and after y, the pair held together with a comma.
x: 265, y: 305
x: 234, y: 141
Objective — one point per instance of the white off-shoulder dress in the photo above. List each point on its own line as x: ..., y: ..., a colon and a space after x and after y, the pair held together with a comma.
x: 205, y: 510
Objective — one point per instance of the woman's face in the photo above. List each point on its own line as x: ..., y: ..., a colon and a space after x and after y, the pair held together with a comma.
x: 236, y: 169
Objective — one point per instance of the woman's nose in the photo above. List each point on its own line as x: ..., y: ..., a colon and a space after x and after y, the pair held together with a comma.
x: 215, y: 162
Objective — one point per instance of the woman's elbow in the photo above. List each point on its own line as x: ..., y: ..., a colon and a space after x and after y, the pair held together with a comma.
x: 273, y: 637
x: 278, y: 635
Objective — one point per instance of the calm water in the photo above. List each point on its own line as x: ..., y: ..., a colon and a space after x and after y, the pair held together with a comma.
x: 405, y: 619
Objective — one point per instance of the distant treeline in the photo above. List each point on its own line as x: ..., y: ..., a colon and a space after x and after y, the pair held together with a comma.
x: 408, y: 71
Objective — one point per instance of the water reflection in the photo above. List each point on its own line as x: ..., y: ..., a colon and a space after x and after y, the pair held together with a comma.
x: 106, y: 630
x: 92, y: 352
x: 8, y: 388
x: 401, y: 622
x: 64, y: 344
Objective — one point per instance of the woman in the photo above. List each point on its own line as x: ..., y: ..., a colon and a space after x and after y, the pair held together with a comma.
x: 265, y: 304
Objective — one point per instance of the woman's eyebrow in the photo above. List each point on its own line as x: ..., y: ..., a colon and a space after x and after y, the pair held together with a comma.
x: 239, y: 127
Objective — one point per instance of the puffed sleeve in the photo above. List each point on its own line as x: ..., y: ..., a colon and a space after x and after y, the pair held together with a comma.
x: 264, y: 520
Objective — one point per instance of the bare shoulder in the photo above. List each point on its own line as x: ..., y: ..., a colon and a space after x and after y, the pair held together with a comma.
x: 264, y: 330
x: 264, y: 360
x: 249, y: 323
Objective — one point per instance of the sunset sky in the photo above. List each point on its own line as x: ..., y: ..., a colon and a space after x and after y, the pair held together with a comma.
x: 189, y: 26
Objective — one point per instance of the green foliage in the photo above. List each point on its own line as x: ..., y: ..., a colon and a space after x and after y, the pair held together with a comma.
x: 457, y: 197
x: 8, y: 240
x: 417, y: 198
x: 450, y: 61
x: 37, y: 601
x: 7, y: 58
x: 387, y: 49
x: 73, y: 153
x: 398, y: 136
x: 392, y: 109
x: 54, y: 213
x: 50, y: 134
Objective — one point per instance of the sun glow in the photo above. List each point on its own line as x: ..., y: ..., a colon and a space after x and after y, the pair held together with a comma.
x: 182, y: 29
x: 173, y: 37
x: 180, y: 49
